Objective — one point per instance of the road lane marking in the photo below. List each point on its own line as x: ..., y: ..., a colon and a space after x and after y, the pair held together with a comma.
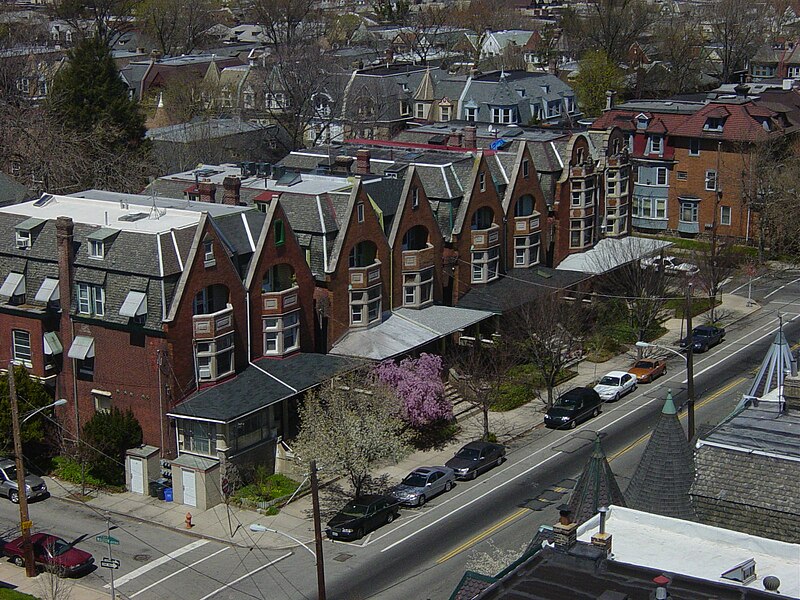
x: 157, y: 563
x: 735, y: 352
x: 178, y: 572
x: 476, y: 539
x: 246, y: 575
x: 744, y: 285
x: 780, y: 288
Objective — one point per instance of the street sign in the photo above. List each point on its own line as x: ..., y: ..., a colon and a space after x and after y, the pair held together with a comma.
x: 109, y: 563
x: 107, y: 539
x: 26, y: 525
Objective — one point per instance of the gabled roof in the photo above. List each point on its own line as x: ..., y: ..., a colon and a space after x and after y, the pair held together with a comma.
x: 744, y: 123
x: 661, y: 482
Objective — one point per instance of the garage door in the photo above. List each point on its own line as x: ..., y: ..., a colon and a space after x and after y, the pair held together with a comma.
x: 189, y: 488
x: 137, y: 476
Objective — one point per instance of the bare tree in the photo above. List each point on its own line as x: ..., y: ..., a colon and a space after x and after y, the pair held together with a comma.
x: 176, y: 25
x: 481, y: 366
x: 739, y: 27
x: 679, y: 35
x: 483, y: 17
x: 548, y: 332
x: 105, y: 19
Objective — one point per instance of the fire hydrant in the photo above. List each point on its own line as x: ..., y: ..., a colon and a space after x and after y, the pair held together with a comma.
x: 189, y: 520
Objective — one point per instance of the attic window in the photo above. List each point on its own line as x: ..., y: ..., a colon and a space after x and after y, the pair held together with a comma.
x: 521, y: 93
x: 415, y: 197
x: 360, y: 211
x: 713, y: 124
x: 96, y: 249
x: 546, y: 89
x: 642, y: 121
x: 482, y: 180
x: 208, y: 253
x: 280, y: 233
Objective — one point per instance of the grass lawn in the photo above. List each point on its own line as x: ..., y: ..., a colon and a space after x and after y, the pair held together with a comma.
x: 8, y: 594
x: 521, y: 385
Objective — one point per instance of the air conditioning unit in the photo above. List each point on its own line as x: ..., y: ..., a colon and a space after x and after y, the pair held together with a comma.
x: 709, y: 226
x: 466, y: 340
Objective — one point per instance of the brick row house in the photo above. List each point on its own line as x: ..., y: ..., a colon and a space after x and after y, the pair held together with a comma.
x: 690, y: 159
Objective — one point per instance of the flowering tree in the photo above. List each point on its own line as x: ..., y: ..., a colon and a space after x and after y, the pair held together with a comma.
x: 419, y: 386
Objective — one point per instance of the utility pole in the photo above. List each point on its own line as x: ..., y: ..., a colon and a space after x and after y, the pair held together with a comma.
x: 317, y: 531
x: 689, y: 363
x: 22, y: 490
x: 110, y: 556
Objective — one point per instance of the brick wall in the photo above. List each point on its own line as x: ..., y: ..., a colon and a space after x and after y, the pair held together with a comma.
x: 522, y: 186
x: 35, y: 327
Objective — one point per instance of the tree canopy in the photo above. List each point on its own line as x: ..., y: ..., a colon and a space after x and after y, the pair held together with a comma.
x: 107, y: 436
x: 596, y: 75
x: 30, y: 395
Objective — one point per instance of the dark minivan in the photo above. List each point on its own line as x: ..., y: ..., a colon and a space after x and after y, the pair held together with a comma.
x: 571, y: 408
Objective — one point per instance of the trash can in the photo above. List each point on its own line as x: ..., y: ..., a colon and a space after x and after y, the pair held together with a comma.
x: 152, y: 489
x: 161, y: 489
x: 168, y: 494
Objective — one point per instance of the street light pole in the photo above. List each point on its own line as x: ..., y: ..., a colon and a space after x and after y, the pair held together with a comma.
x: 22, y: 490
x: 317, y: 531
x: 690, y: 363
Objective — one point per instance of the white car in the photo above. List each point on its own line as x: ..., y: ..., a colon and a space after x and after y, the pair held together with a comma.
x: 670, y: 265
x: 614, y: 385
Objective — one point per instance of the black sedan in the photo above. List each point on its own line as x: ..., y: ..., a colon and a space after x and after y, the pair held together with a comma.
x: 475, y: 458
x: 361, y: 516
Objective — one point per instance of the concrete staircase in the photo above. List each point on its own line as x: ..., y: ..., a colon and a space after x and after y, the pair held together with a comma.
x: 461, y: 408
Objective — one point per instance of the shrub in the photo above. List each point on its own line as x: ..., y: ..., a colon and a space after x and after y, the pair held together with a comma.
x: 435, y: 435
x: 69, y: 469
x: 108, y: 435
x: 521, y: 385
x: 266, y: 487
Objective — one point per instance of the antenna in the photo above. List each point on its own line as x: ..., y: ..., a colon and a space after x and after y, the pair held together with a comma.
x: 155, y: 212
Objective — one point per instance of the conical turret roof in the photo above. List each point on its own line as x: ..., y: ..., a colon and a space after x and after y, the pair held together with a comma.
x: 660, y: 484
x: 596, y: 487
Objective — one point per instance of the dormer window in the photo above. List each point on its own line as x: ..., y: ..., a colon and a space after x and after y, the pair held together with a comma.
x: 25, y: 230
x: 656, y: 144
x: 713, y: 124
x: 96, y: 249
x: 642, y: 121
x: 546, y: 89
x: 521, y: 93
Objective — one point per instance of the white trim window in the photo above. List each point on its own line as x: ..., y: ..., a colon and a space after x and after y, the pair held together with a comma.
x: 421, y: 110
x: 711, y: 180
x: 504, y: 115
x: 23, y: 239
x: 365, y: 306
x: 22, y: 347
x: 91, y: 299
x: 694, y: 147
x: 526, y: 250
x: 281, y: 334
x: 208, y: 253
x: 581, y: 232
x: 96, y: 249
x: 418, y: 288
x: 444, y: 113
x: 689, y: 212
x: 198, y: 437
x: 102, y: 401
x: 725, y: 215
x: 471, y: 114
x: 617, y: 220
x: 650, y: 208
x: 214, y: 358
x: 582, y: 192
x: 485, y: 264
x: 656, y: 144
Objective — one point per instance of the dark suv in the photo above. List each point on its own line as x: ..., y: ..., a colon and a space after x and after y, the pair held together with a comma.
x: 571, y: 408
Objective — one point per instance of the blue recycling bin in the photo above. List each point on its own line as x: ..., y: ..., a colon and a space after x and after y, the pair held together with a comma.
x: 168, y: 494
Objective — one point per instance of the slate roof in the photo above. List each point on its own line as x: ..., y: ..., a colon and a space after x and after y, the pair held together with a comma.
x: 518, y: 287
x: 661, y: 482
x: 252, y: 389
x: 596, y: 487
x: 12, y: 192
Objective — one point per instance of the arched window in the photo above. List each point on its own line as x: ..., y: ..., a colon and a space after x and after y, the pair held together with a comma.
x: 415, y: 238
x: 482, y: 218
x: 524, y: 206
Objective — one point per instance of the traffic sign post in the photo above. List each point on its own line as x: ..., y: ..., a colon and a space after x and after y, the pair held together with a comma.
x: 110, y: 562
x: 107, y: 539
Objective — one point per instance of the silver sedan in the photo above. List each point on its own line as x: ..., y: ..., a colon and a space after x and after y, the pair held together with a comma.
x: 422, y: 484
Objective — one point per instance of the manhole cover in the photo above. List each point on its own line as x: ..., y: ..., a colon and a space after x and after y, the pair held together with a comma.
x: 141, y: 557
x: 342, y: 557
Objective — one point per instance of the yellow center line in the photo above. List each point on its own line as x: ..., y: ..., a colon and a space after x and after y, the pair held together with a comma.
x: 516, y: 515
x: 482, y: 535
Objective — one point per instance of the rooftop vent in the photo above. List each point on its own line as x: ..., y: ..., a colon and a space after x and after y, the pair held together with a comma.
x: 743, y: 572
x: 131, y: 217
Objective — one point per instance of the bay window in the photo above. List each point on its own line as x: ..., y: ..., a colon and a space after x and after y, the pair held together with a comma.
x: 526, y: 250
x: 418, y: 288
x: 485, y: 264
x: 281, y: 334
x: 214, y: 358
x: 365, y: 305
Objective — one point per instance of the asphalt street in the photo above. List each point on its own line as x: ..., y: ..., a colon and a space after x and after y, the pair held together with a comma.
x: 426, y: 551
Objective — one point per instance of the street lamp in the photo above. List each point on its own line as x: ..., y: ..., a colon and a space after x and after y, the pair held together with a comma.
x: 688, y: 358
x: 261, y: 529
x: 59, y: 402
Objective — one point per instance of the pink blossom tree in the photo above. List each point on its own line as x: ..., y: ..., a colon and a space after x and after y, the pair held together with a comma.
x: 418, y: 384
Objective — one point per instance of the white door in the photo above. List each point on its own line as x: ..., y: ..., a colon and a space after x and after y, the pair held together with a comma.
x: 137, y: 476
x: 189, y: 489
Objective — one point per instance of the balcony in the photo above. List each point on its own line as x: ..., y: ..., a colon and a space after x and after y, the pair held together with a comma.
x: 688, y: 227
x: 212, y: 325
x: 483, y: 239
x: 417, y: 260
x: 526, y: 225
x: 363, y: 277
x: 278, y: 303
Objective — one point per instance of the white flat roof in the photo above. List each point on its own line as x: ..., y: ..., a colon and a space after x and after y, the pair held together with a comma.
x: 694, y: 549
x: 107, y: 214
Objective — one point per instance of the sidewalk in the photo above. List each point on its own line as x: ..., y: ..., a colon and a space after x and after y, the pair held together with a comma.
x: 13, y: 577
x: 231, y: 525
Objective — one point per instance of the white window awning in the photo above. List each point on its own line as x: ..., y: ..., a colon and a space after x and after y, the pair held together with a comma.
x: 48, y: 290
x: 14, y: 285
x: 82, y: 347
x: 135, y: 304
x: 52, y: 345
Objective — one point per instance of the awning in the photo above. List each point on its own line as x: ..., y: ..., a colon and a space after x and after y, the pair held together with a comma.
x: 13, y: 285
x: 52, y: 345
x: 48, y: 290
x: 82, y: 347
x: 135, y: 304
x: 611, y: 253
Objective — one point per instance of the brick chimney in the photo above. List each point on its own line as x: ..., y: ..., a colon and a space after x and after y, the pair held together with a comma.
x: 207, y: 190
x: 454, y: 139
x: 565, y: 532
x: 601, y: 539
x: 231, y: 186
x: 65, y: 242
x: 470, y: 136
x: 362, y: 162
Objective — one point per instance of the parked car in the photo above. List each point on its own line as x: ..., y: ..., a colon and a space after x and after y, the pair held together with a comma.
x: 362, y: 515
x: 572, y: 407
x: 648, y: 369
x: 614, y: 385
x: 422, y: 484
x: 51, y: 553
x: 475, y: 458
x: 670, y: 265
x: 35, y: 487
x: 704, y: 337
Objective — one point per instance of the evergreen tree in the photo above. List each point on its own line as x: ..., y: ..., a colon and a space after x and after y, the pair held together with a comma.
x: 108, y: 435
x: 89, y: 96
x: 30, y: 395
